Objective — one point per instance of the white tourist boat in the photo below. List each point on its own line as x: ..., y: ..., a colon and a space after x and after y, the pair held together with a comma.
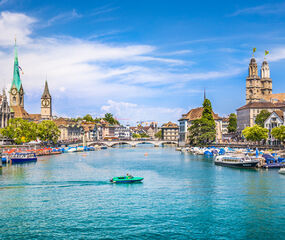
x: 238, y: 161
x: 282, y: 171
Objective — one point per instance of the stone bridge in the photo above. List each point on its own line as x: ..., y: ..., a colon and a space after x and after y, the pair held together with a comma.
x: 132, y: 143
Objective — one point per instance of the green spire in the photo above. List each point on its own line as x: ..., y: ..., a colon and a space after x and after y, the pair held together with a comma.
x: 16, y: 77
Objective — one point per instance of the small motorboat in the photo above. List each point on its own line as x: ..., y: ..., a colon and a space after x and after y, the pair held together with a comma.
x: 126, y: 179
x: 282, y: 170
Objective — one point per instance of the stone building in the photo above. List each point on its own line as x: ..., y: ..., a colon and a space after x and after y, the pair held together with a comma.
x: 169, y: 131
x: 257, y: 87
x: 5, y: 111
x: 186, y: 121
x: 46, y: 104
x: 17, y: 95
x: 69, y: 129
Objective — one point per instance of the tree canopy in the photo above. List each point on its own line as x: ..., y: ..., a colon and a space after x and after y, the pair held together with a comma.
x: 158, y: 134
x: 255, y: 133
x: 110, y: 119
x: 279, y: 133
x: 203, y: 130
x: 22, y: 131
x: 261, y: 117
x: 232, y: 127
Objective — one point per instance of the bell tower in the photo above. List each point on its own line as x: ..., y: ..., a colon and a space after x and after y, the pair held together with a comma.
x: 266, y: 81
x: 46, y: 104
x: 16, y: 91
x: 253, y: 83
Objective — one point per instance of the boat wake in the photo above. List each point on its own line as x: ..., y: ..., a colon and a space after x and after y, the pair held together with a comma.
x: 59, y: 184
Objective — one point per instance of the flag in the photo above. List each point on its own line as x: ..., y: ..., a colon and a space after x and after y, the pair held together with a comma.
x: 254, y: 50
x: 266, y: 52
x: 21, y: 69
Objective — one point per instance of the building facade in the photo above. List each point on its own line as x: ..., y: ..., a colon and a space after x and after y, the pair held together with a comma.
x: 170, y: 131
x: 186, y: 121
x: 69, y: 130
x: 257, y: 87
x: 46, y: 104
x: 5, y: 111
x: 123, y: 132
x: 276, y: 119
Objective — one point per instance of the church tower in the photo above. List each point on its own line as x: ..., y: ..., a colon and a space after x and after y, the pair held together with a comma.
x: 266, y: 81
x: 253, y: 83
x: 16, y: 92
x: 46, y: 110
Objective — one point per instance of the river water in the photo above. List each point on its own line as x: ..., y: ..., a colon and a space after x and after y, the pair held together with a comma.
x: 182, y: 197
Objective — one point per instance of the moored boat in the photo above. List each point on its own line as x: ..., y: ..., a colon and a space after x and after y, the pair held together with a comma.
x: 282, y: 170
x: 237, y: 161
x: 22, y: 157
x: 126, y: 179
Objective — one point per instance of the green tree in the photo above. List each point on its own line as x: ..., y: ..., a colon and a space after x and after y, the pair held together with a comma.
x: 88, y: 118
x: 203, y: 130
x: 261, y: 117
x: 48, y: 131
x: 158, y: 134
x: 144, y: 135
x: 232, y: 127
x: 279, y: 133
x: 20, y: 130
x: 136, y: 135
x: 255, y: 133
x: 110, y: 119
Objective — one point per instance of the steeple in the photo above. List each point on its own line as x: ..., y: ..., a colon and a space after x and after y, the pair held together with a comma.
x: 16, y: 75
x: 265, y: 71
x: 46, y: 93
x: 204, y: 94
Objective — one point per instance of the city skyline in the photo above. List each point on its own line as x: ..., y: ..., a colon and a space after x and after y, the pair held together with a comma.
x: 110, y: 63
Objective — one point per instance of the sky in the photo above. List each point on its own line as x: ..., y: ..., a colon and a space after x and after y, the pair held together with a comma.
x: 140, y: 60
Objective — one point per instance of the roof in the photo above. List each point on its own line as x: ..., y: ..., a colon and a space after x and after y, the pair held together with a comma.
x: 196, y: 113
x: 46, y: 93
x: 275, y: 97
x: 169, y: 125
x: 280, y: 114
x: 20, y: 112
x: 16, y: 76
x: 260, y: 105
x: 35, y: 117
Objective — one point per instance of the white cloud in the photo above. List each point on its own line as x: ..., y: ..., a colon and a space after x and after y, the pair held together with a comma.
x: 63, y: 17
x: 84, y: 73
x: 131, y: 113
x: 265, y: 9
x: 15, y: 25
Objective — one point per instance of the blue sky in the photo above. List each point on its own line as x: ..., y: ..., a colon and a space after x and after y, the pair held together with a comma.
x: 140, y: 60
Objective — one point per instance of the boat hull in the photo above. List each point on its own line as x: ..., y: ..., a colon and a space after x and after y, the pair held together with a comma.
x: 18, y: 160
x: 125, y: 180
x: 238, y: 164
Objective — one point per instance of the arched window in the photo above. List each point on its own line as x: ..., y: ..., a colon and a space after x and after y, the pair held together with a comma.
x: 14, y: 99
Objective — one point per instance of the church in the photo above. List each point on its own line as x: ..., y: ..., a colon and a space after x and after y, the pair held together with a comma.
x: 16, y: 93
x: 258, y: 95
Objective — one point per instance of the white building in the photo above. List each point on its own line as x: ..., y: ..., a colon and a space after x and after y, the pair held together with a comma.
x: 276, y: 119
x: 123, y: 132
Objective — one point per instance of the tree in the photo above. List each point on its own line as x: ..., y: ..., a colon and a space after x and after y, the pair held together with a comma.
x: 48, y: 131
x: 232, y: 127
x: 158, y: 134
x: 255, y: 133
x: 110, y: 119
x: 144, y: 135
x: 88, y: 118
x: 203, y: 130
x: 20, y: 130
x: 278, y: 133
x: 136, y: 135
x: 261, y: 117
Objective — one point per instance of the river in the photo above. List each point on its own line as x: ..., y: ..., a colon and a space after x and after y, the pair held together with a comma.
x: 182, y: 197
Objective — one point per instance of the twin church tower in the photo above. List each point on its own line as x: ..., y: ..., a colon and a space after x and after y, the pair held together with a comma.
x: 258, y: 87
x: 17, y: 97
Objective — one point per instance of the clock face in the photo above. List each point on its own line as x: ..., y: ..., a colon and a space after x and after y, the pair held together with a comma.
x: 14, y: 91
x: 45, y: 102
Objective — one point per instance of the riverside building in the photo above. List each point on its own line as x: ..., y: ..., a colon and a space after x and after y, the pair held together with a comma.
x: 258, y: 95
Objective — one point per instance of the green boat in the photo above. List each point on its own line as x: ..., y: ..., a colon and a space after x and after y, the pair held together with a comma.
x: 126, y: 179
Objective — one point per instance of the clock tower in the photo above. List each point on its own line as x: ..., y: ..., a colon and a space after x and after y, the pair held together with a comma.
x: 16, y: 91
x: 46, y: 110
